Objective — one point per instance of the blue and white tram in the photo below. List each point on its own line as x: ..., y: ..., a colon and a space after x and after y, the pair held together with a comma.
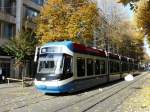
x: 67, y: 67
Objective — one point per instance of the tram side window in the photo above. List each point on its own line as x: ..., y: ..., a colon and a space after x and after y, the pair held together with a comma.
x: 124, y: 67
x: 67, y: 69
x: 89, y: 67
x: 67, y: 64
x: 111, y: 66
x: 97, y: 67
x: 128, y: 66
x: 131, y: 66
x: 80, y: 67
x: 136, y: 67
x: 103, y: 67
x: 116, y: 66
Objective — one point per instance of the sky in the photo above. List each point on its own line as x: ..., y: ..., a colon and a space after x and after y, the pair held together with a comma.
x: 146, y: 46
x: 124, y: 9
x: 129, y: 12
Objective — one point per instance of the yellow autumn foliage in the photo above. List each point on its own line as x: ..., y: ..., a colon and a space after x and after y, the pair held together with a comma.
x: 83, y: 21
x: 63, y: 20
x: 142, y: 15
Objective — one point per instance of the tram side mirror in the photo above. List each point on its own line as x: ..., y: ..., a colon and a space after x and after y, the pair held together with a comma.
x: 129, y: 77
x: 36, y: 54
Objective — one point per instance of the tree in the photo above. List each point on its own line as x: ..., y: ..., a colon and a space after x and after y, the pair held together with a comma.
x: 141, y: 13
x: 22, y: 47
x: 64, y: 19
x: 125, y: 2
x: 142, y: 16
x: 115, y: 16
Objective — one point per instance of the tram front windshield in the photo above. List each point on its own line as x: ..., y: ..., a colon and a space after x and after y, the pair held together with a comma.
x: 48, y: 63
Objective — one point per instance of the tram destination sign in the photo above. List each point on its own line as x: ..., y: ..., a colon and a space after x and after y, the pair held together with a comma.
x: 51, y: 50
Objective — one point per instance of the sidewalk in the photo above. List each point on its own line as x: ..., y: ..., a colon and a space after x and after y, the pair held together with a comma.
x: 138, y: 101
x: 11, y: 85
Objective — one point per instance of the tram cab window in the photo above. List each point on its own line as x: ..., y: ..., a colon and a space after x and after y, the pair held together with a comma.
x: 80, y: 67
x: 48, y: 63
x: 89, y: 67
x: 97, y: 67
x: 47, y: 66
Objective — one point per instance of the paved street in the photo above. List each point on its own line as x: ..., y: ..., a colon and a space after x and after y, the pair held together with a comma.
x: 105, y: 98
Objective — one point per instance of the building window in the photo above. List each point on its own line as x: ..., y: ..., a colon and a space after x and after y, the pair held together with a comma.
x: 80, y: 67
x: 30, y: 13
x: 10, y: 6
x: 89, y: 67
x: 8, y: 30
x: 7, y: 6
x: 0, y: 30
x: 5, y: 69
x: 39, y: 2
x: 1, y: 6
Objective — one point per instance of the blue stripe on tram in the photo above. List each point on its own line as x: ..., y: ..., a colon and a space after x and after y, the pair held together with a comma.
x: 55, y: 89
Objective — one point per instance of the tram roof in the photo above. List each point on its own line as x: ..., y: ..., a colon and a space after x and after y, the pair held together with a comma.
x: 131, y: 59
x: 68, y: 44
x: 113, y: 56
x: 88, y: 50
x: 123, y: 58
x: 79, y: 48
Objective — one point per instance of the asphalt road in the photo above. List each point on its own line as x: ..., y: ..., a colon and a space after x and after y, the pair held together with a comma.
x: 104, y: 98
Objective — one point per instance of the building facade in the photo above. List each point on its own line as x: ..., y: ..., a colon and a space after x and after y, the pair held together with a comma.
x: 13, y: 14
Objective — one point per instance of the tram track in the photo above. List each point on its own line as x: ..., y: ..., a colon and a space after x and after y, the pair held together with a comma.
x: 118, y: 92
x: 111, y: 95
x: 28, y: 100
x: 100, y: 95
x: 32, y: 98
